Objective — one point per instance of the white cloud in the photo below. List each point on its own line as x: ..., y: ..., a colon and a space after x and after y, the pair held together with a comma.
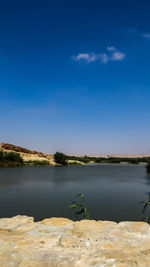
x: 112, y: 55
x: 86, y: 57
x: 91, y: 57
x: 146, y: 35
x: 111, y: 48
x: 117, y: 56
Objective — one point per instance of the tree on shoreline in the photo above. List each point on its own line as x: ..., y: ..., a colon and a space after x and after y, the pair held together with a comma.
x: 60, y: 158
x: 148, y: 166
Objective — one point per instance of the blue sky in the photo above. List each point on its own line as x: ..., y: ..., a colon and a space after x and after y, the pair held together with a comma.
x: 75, y: 75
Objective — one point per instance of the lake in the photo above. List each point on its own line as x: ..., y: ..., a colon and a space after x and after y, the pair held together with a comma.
x: 112, y: 191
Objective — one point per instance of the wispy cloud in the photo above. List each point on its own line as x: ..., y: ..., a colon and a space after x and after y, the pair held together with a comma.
x: 132, y: 30
x: 146, y: 35
x: 112, y: 55
x: 111, y: 48
x: 115, y: 54
x: 104, y: 58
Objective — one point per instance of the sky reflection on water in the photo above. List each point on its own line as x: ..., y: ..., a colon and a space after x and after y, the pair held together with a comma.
x: 112, y: 191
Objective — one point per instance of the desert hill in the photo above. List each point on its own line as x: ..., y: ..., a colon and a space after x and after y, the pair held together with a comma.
x: 26, y: 154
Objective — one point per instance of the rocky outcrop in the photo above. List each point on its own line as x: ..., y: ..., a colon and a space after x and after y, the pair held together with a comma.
x: 61, y: 242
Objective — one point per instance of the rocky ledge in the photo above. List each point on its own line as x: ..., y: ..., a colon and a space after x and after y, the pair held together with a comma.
x: 62, y: 242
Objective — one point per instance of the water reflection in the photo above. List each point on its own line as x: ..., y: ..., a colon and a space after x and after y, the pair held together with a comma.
x: 112, y: 190
x: 147, y: 179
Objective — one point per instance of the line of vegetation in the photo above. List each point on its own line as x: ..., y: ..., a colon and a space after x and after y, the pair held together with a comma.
x: 10, y: 159
x: 37, y: 162
x: 87, y: 159
x: 63, y: 159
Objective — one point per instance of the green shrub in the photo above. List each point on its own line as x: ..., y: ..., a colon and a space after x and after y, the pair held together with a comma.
x: 60, y: 158
x: 1, y: 155
x: 97, y: 161
x: 134, y: 161
x: 37, y: 162
x: 12, y: 156
x: 85, y: 159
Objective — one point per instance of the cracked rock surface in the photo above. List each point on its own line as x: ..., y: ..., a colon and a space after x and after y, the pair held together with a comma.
x: 61, y: 242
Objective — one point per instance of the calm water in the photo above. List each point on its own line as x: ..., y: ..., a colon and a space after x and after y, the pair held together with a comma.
x: 112, y: 191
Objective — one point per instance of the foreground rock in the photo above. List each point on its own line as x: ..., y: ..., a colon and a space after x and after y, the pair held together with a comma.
x: 62, y: 242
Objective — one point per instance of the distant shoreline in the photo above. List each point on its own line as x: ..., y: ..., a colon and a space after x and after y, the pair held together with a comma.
x: 112, y: 155
x: 26, y: 157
